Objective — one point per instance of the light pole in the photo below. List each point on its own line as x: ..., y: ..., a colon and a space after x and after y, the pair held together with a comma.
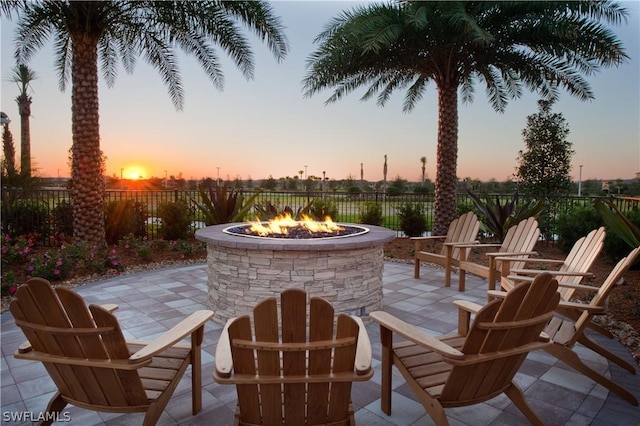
x: 580, y: 182
x: 165, y: 179
x: 218, y: 178
x: 121, y: 182
x: 305, y: 172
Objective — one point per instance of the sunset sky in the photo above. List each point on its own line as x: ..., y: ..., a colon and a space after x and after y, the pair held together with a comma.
x: 265, y: 127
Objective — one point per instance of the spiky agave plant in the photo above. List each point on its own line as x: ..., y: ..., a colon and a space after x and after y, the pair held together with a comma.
x: 618, y: 222
x: 221, y: 204
x: 498, y: 218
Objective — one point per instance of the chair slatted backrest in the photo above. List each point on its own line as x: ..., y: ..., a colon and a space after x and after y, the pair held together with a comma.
x: 57, y: 322
x: 501, y: 326
x: 463, y: 229
x: 601, y: 296
x: 520, y: 238
x: 580, y: 259
x: 298, y: 376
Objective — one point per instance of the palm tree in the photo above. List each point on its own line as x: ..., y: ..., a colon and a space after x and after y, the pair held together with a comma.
x: 23, y: 76
x: 87, y: 32
x: 543, y: 46
x: 423, y: 160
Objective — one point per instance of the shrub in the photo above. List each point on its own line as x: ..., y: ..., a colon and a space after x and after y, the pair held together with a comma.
x: 412, y: 219
x: 28, y: 217
x: 125, y: 217
x: 175, y: 218
x: 371, y: 213
x: 53, y: 265
x: 62, y: 216
x: 319, y: 209
x: 575, y: 224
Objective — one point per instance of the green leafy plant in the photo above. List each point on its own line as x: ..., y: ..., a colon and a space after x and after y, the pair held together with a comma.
x: 319, y: 209
x: 498, y: 218
x: 28, y: 217
x: 371, y: 213
x: 175, y: 218
x: 412, y: 219
x: 125, y: 217
x: 574, y: 224
x: 267, y: 210
x: 145, y: 252
x: 618, y: 222
x: 221, y: 204
x: 62, y: 216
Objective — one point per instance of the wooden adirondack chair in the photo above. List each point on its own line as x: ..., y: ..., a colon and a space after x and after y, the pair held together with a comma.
x: 302, y: 377
x: 518, y: 244
x: 463, y: 230
x: 92, y: 365
x: 569, y: 329
x: 477, y: 363
x: 571, y: 270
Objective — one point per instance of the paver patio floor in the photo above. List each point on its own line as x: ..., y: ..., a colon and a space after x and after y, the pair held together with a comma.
x: 151, y: 302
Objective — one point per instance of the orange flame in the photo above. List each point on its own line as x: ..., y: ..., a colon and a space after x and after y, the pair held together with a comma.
x: 281, y: 225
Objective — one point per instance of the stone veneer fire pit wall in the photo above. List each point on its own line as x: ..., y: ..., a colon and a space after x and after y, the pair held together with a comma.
x: 346, y: 271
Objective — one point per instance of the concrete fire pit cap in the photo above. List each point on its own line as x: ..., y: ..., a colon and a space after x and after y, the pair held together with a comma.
x: 215, y: 236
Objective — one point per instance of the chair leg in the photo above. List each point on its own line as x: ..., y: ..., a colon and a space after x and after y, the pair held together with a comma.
x: 516, y: 396
x: 386, y: 339
x: 605, y: 353
x: 416, y: 268
x: 570, y: 358
x: 56, y: 405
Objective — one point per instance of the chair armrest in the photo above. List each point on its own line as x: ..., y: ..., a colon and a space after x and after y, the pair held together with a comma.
x: 474, y: 245
x: 466, y: 244
x: 364, y: 356
x: 223, y: 357
x: 496, y: 294
x: 411, y: 333
x: 507, y: 254
x: 468, y: 306
x: 533, y: 260
x: 110, y: 307
x: 432, y: 237
x: 539, y: 271
x: 581, y: 307
x: 178, y: 332
x: 582, y: 287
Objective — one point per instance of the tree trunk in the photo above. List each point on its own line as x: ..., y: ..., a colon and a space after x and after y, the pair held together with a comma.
x: 24, y: 109
x: 86, y: 172
x: 447, y: 158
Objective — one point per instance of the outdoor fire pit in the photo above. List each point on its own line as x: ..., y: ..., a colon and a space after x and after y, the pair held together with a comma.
x: 343, y: 266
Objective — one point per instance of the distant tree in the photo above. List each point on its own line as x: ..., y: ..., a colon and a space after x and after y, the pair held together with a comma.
x: 23, y: 76
x: 544, y: 167
x: 270, y: 183
x: 9, y: 153
x: 423, y: 160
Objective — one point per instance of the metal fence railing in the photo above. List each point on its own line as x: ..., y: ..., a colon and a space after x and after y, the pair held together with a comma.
x: 46, y: 203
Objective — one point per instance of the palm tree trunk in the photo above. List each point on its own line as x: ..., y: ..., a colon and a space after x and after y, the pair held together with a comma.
x: 24, y: 109
x: 86, y: 172
x: 447, y: 158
